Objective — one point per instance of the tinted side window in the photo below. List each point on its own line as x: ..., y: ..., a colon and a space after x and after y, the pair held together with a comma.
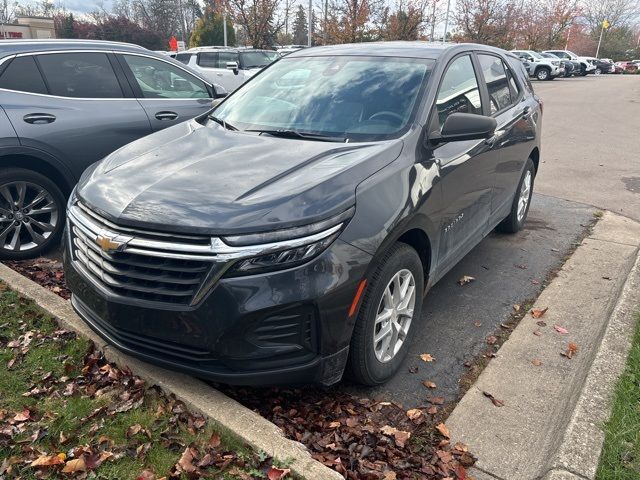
x: 208, y: 59
x: 497, y: 82
x: 23, y: 75
x: 183, y: 57
x: 459, y: 90
x: 158, y: 79
x: 225, y: 57
x: 80, y: 75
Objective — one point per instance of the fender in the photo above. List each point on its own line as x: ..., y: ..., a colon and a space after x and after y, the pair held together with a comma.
x: 51, y: 161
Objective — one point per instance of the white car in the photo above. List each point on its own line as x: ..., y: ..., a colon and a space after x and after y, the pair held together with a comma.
x: 538, y: 66
x: 586, y: 66
x: 229, y: 67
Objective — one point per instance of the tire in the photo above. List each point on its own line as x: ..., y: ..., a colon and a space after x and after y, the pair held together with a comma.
x: 583, y: 71
x: 367, y: 363
x: 598, y: 71
x: 543, y: 73
x: 515, y: 221
x: 23, y: 232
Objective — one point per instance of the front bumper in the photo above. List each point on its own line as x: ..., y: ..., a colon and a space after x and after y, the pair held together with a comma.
x: 285, y: 327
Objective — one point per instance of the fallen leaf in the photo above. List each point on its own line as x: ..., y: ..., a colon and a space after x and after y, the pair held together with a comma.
x: 334, y: 424
x: 413, y: 369
x: 516, y: 308
x: 521, y: 266
x: 537, y: 333
x: 275, y: 473
x: 75, y: 465
x: 22, y: 416
x: 426, y: 357
x: 491, y: 339
x: 541, y: 323
x: 429, y: 384
x: 401, y: 437
x: 133, y: 430
x: 560, y: 329
x: 146, y: 475
x: 390, y: 475
x: 572, y: 349
x: 214, y: 441
x: 414, y: 413
x: 465, y: 279
x: 432, y: 410
x: 47, y: 461
x: 185, y: 464
x: 538, y: 312
x: 436, y: 400
x: 478, y: 324
x: 494, y: 400
x: 536, y: 362
x: 442, y: 428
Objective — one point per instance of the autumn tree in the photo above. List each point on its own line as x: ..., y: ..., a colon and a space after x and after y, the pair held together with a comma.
x: 351, y: 21
x: 209, y: 30
x: 544, y: 24
x: 490, y: 22
x: 260, y: 20
x: 406, y: 22
x: 300, y: 30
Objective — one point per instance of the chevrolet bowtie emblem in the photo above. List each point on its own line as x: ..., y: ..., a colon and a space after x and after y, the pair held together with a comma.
x: 109, y: 244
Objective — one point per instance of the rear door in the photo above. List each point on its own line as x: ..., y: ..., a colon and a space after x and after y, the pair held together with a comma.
x: 72, y: 105
x: 510, y: 145
x: 465, y: 167
x: 214, y: 66
x: 168, y: 93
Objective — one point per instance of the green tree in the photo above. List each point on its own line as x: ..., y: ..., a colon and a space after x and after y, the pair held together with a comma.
x: 300, y: 30
x: 66, y: 27
x: 208, y: 30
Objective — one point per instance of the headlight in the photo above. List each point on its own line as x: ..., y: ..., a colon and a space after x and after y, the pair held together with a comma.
x: 555, y: 62
x: 280, y: 249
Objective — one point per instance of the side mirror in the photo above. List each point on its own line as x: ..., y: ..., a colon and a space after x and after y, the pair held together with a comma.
x: 465, y: 126
x: 233, y: 66
x: 219, y: 91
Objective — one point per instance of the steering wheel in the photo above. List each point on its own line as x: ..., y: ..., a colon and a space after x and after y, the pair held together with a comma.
x: 386, y: 113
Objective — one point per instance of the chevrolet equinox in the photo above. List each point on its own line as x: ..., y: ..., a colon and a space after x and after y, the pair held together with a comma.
x: 289, y: 235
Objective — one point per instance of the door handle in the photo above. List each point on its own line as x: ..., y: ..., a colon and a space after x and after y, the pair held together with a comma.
x: 166, y: 115
x: 39, y: 118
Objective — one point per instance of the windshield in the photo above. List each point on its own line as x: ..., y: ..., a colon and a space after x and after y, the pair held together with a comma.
x: 357, y: 98
x: 256, y: 59
x: 534, y: 54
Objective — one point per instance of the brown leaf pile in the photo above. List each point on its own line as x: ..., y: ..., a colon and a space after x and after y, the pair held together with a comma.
x: 62, y: 454
x: 44, y: 271
x: 361, y: 438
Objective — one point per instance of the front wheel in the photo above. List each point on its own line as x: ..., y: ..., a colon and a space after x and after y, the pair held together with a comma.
x: 31, y: 214
x: 520, y: 207
x: 598, y: 71
x: 543, y: 74
x: 387, y: 318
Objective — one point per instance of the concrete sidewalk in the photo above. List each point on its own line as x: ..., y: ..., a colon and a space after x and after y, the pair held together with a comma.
x: 550, y: 424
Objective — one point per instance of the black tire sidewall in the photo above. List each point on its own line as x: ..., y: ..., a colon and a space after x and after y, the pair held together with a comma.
x: 518, y: 224
x: 548, y: 73
x: 9, y: 175
x: 366, y: 368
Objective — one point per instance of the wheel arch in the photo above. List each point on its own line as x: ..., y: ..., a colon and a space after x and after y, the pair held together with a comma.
x: 419, y: 241
x: 535, y: 157
x: 39, y: 162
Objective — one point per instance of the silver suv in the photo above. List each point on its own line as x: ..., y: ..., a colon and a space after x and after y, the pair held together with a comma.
x: 64, y: 105
x: 229, y: 67
x: 538, y: 66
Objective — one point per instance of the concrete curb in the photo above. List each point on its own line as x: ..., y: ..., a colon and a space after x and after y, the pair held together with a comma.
x: 224, y: 412
x: 551, y: 424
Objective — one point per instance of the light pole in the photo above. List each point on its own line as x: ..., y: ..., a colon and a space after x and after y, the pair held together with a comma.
x: 224, y: 25
x: 310, y: 22
x: 446, y: 21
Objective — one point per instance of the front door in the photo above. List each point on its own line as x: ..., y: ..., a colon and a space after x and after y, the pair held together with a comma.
x: 465, y: 166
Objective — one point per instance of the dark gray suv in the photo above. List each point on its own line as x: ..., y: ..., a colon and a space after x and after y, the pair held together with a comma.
x: 65, y: 104
x: 293, y: 230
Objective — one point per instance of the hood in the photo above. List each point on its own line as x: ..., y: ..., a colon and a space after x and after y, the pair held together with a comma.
x: 201, y: 178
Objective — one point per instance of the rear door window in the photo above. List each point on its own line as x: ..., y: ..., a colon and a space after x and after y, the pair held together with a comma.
x: 23, y: 75
x: 497, y: 81
x: 208, y: 59
x: 225, y: 57
x: 80, y: 75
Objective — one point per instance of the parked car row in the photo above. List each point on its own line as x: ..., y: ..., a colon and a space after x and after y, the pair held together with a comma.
x: 290, y: 233
x: 550, y: 64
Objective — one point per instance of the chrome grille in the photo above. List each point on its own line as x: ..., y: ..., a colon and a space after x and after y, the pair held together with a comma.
x: 149, y: 266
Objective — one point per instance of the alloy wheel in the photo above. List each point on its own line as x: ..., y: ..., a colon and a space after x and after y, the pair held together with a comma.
x: 394, y: 315
x: 525, y: 196
x: 28, y: 216
x: 543, y: 74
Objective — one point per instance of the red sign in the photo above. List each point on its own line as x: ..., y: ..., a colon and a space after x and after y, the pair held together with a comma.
x: 173, y: 44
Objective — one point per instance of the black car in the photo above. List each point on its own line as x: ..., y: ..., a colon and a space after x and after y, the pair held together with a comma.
x: 292, y: 232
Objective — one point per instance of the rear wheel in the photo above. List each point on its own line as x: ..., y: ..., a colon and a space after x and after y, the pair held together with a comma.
x: 387, y: 318
x: 598, y: 71
x: 520, y: 206
x: 31, y: 214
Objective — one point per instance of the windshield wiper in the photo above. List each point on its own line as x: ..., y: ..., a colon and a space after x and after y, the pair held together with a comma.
x: 225, y: 124
x: 296, y: 134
